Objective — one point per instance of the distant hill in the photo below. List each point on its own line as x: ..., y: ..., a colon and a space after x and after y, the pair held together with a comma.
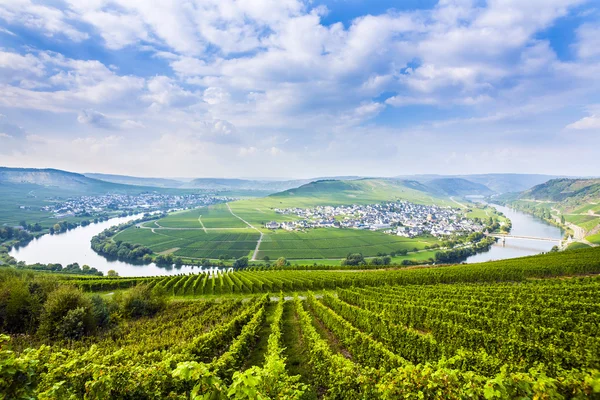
x: 459, y: 187
x: 53, y: 178
x: 366, y: 190
x: 63, y: 182
x: 244, y: 184
x: 132, y: 180
x: 498, y: 183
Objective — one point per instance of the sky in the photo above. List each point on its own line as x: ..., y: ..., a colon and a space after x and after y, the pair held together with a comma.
x: 297, y: 89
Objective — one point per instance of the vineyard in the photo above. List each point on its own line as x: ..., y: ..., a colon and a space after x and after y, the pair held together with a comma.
x: 487, y: 331
x: 220, y: 282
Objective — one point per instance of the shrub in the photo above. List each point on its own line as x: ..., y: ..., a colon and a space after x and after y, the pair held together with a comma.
x: 100, y: 311
x: 142, y: 301
x: 73, y: 325
x: 56, y: 319
x: 17, y: 306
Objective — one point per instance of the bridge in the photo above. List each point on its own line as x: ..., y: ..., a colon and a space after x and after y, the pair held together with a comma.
x: 504, y: 237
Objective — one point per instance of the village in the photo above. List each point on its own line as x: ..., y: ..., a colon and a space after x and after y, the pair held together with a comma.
x: 144, y: 202
x: 399, y: 218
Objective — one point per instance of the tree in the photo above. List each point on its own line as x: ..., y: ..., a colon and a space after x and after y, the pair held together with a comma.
x: 281, y: 262
x: 354, y: 259
x: 112, y: 272
x: 56, y: 228
x: 266, y: 259
x: 562, y: 219
x: 240, y: 263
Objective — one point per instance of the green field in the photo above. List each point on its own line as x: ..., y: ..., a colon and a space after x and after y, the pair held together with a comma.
x: 215, y: 216
x: 577, y: 245
x: 194, y: 243
x: 594, y: 238
x: 587, y: 222
x: 335, y: 243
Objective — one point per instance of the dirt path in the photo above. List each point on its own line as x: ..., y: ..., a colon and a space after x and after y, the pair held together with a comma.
x: 201, y: 224
x: 251, y: 226
x: 460, y: 204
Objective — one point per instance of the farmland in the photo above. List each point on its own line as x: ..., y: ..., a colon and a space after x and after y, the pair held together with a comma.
x: 195, y: 243
x: 335, y: 243
x: 234, y: 229
x: 522, y: 328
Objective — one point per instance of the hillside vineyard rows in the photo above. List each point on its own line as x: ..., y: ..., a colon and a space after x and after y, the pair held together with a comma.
x: 525, y: 328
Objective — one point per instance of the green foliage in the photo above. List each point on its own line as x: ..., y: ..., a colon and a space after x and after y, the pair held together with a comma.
x: 66, y: 309
x: 17, y: 373
x: 354, y: 259
x: 143, y: 301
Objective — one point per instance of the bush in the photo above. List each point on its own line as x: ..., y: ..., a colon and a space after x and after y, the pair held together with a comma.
x: 101, y: 311
x: 18, y: 308
x: 73, y: 325
x: 56, y: 319
x: 141, y: 301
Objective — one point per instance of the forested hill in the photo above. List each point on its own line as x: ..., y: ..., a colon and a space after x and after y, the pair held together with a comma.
x: 570, y: 195
x: 556, y: 190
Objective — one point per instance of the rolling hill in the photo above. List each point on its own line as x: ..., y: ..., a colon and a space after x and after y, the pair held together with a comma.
x: 137, y: 181
x: 459, y: 187
x: 367, y: 190
x: 565, y: 190
x: 498, y: 183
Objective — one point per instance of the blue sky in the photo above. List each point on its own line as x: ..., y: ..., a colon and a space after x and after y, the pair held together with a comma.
x: 227, y: 88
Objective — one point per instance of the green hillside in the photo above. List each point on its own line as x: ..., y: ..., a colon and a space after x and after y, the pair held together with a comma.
x: 571, y: 193
x: 361, y: 191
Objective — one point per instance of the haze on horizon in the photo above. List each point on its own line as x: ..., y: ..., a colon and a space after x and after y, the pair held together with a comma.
x: 289, y: 88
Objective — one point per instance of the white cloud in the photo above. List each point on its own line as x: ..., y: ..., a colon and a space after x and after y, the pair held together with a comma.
x: 130, y: 124
x: 94, y: 118
x: 50, y: 20
x: 591, y: 122
x: 261, y: 77
x: 588, y: 45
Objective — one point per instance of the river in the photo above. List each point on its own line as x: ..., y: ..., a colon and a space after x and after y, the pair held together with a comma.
x: 522, y: 225
x: 74, y: 246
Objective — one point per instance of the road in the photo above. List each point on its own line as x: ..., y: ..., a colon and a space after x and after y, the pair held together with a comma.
x: 251, y: 226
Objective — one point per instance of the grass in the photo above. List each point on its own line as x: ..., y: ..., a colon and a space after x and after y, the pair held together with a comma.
x: 215, y: 216
x: 587, y: 222
x: 297, y: 362
x: 577, y: 245
x: 326, y: 243
x: 194, y: 243
x: 594, y: 238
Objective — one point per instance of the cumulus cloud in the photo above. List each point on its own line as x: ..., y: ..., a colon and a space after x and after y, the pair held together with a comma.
x: 94, y: 118
x: 227, y: 76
